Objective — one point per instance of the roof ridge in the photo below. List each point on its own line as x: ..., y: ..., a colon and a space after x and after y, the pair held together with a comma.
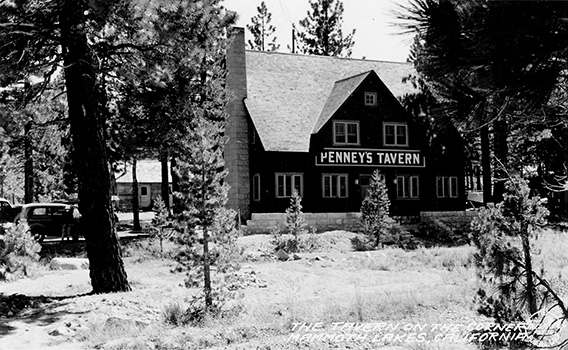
x: 354, y: 76
x: 325, y: 57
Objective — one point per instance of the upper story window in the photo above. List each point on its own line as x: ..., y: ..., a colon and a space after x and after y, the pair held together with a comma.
x: 345, y: 133
x: 370, y: 98
x: 395, y: 134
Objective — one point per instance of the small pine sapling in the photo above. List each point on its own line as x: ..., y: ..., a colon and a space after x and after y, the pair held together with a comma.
x: 295, y: 223
x: 375, y: 209
x: 162, y: 225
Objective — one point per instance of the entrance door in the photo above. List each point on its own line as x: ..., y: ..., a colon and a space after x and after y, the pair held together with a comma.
x: 145, y: 199
x: 364, y: 182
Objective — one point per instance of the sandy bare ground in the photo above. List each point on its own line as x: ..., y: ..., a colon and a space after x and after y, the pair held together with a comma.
x: 334, y: 286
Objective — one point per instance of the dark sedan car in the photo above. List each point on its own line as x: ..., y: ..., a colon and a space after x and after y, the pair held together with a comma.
x: 7, y: 212
x: 50, y: 219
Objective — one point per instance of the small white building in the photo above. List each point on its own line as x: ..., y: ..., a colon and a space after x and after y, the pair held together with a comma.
x: 149, y: 177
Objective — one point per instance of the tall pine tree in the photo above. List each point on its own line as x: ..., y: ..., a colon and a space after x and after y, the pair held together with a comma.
x: 322, y: 32
x: 262, y: 30
x: 209, y: 233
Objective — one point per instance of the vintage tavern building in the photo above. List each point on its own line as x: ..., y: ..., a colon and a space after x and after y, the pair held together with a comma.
x: 322, y: 125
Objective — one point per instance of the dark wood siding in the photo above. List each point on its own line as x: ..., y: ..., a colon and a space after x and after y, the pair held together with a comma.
x: 442, y: 157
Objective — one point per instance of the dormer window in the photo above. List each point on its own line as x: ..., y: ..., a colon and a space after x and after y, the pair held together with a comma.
x: 345, y: 133
x: 395, y: 134
x: 370, y: 98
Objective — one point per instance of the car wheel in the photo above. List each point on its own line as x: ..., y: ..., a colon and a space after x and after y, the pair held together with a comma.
x: 37, y: 232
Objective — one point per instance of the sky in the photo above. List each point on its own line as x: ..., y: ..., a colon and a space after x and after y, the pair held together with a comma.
x: 375, y: 38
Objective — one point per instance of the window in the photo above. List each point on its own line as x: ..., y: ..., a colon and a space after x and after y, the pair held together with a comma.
x: 143, y: 191
x: 447, y: 186
x: 407, y: 187
x: 334, y: 185
x: 395, y: 134
x: 251, y: 133
x: 370, y: 98
x: 346, y: 133
x: 38, y: 212
x: 256, y: 187
x: 286, y: 182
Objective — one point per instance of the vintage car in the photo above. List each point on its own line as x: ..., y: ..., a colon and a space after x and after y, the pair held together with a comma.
x: 50, y: 219
x: 6, y: 210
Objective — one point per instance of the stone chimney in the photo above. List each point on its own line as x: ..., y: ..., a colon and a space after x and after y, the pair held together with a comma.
x: 237, y: 147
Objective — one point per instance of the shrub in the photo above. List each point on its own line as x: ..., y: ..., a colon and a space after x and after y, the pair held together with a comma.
x: 308, y: 241
x: 19, y: 250
x: 362, y: 244
x: 439, y: 232
x: 174, y: 314
x: 297, y: 236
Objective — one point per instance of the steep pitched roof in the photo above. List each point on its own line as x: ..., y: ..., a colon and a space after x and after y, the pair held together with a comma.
x: 287, y: 93
x: 147, y: 171
x: 341, y: 91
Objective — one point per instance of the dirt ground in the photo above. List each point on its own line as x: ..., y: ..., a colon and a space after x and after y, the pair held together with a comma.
x: 329, y: 286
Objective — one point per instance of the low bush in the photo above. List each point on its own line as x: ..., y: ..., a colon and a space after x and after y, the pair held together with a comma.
x: 439, y: 232
x: 362, y: 244
x: 296, y: 237
x: 17, y: 252
x: 307, y: 241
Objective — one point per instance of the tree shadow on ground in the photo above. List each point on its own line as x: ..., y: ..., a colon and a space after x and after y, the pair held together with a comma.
x: 40, y: 310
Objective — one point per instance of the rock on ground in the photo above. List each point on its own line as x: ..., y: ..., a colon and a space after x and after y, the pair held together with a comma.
x: 69, y: 264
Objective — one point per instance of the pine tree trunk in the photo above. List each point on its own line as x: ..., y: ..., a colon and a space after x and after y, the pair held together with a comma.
x: 105, y: 261
x: 165, y: 187
x: 486, y: 164
x: 206, y: 262
x: 135, y: 196
x: 501, y: 154
x: 28, y: 164
x: 530, y: 292
x: 176, y: 205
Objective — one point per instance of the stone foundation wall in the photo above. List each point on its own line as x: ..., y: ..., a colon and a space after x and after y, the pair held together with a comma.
x: 264, y: 222
x: 450, y: 218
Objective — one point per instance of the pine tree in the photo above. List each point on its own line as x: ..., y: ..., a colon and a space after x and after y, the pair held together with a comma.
x: 322, y: 33
x: 208, y: 229
x: 295, y: 222
x: 262, y: 30
x: 375, y: 208
x: 503, y: 235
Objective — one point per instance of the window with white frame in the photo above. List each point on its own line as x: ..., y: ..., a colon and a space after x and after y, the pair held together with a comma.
x: 286, y: 183
x: 345, y: 133
x: 334, y: 185
x: 370, y: 98
x: 256, y: 187
x: 447, y: 186
x: 395, y: 134
x: 407, y: 187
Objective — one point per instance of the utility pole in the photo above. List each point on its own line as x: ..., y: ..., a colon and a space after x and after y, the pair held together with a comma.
x: 293, y: 40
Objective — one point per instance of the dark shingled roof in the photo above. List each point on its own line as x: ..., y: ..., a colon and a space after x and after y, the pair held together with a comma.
x: 287, y: 93
x: 339, y: 94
